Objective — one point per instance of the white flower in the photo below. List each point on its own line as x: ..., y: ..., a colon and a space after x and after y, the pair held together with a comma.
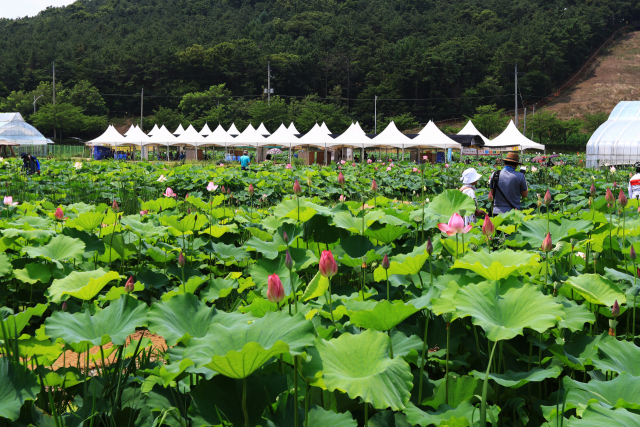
x: 77, y: 165
x: 534, y: 169
x: 427, y: 200
x: 613, y: 169
x: 162, y: 178
x: 1, y: 159
x: 212, y: 187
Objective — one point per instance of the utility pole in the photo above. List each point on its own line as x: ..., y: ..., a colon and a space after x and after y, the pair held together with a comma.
x: 141, y: 105
x: 54, y: 95
x: 524, y: 130
x: 516, y: 94
x: 533, y: 115
x: 375, y: 115
x: 268, y: 83
x: 34, y: 101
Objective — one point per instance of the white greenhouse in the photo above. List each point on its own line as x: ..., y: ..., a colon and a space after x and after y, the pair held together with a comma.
x: 616, y: 141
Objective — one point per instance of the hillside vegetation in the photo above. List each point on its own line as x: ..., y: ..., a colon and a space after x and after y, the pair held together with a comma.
x: 442, y: 58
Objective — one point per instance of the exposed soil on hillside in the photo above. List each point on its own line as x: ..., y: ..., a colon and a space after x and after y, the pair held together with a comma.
x: 614, y: 77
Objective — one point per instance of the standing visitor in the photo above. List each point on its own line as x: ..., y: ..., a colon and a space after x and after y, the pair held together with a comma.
x: 508, y: 186
x: 470, y: 178
x: 245, y: 160
x: 634, y: 183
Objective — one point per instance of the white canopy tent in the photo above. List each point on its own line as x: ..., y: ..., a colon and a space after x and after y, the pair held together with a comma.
x: 190, y: 137
x: 432, y: 137
x: 324, y: 127
x: 135, y: 137
x: 281, y: 137
x: 316, y: 137
x: 293, y: 129
x: 511, y: 137
x: 206, y: 131
x: 110, y: 137
x: 131, y: 129
x: 262, y: 130
x: 233, y: 130
x: 219, y: 137
x: 161, y: 138
x: 179, y: 131
x: 248, y: 138
x: 470, y: 129
x: 616, y: 141
x: 390, y: 137
x: 154, y: 130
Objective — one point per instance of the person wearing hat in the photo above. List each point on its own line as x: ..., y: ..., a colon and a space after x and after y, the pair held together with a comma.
x: 244, y: 161
x: 508, y: 186
x: 470, y: 178
x: 634, y: 183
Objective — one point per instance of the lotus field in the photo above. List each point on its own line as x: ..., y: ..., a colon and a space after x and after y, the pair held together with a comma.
x: 150, y: 294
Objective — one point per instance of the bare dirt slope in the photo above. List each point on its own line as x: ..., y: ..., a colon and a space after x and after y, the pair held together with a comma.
x: 614, y: 77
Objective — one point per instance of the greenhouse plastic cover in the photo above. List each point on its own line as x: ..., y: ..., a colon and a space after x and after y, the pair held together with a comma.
x: 13, y: 128
x: 616, y: 141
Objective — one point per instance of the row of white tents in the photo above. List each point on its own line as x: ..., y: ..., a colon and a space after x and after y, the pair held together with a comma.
x: 319, y: 136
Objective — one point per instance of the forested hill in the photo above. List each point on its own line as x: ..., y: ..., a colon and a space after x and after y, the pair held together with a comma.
x: 451, y: 55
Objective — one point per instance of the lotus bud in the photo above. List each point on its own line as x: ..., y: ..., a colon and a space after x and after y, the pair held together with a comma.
x: 340, y: 178
x: 181, y: 260
x: 188, y: 211
x: 297, y: 190
x: 609, y: 196
x: 64, y: 306
x: 59, y: 214
x: 309, y: 181
x: 385, y: 262
x: 622, y: 199
x: 615, y: 184
x: 374, y: 186
x: 364, y: 265
x: 615, y: 309
x: 328, y: 266
x: 129, y: 285
x: 186, y: 196
x: 143, y: 213
x: 632, y: 254
x: 447, y: 317
x: 222, y: 189
x: 547, y: 198
x: 251, y: 190
x: 275, y: 290
x: 228, y: 191
x: 429, y: 247
x: 196, y: 218
x: 114, y: 206
x: 490, y: 196
x: 592, y: 190
x: 547, y: 245
x: 288, y: 262
x: 285, y: 237
x: 488, y: 228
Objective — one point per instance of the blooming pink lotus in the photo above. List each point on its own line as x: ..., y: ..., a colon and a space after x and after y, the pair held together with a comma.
x: 342, y: 162
x: 288, y: 166
x: 353, y: 164
x: 415, y: 169
x: 339, y: 167
x: 369, y: 161
x: 8, y: 201
x: 169, y: 193
x: 388, y: 168
x: 222, y: 165
x: 212, y: 187
x: 59, y: 214
x: 143, y: 213
x: 275, y: 290
x: 446, y: 165
x: 425, y: 158
x: 455, y: 226
x: 376, y: 168
x: 342, y: 198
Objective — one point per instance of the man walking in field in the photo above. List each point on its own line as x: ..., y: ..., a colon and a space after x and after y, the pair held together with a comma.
x: 245, y: 160
x: 508, y: 186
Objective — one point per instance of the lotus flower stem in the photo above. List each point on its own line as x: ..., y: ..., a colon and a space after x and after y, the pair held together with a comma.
x: 456, y: 246
x: 624, y: 224
x: 307, y: 398
x: 366, y: 414
x: 295, y: 390
x: 485, y: 386
x: 424, y: 355
x: 331, y: 304
x: 446, y: 374
x: 244, y: 402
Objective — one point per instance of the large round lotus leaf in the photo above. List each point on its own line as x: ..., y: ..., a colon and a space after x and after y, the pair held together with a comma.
x: 143, y: 229
x: 238, y: 349
x: 498, y: 264
x: 113, y: 324
x: 379, y: 316
x: 461, y: 389
x: 503, y: 311
x: 32, y: 273
x: 60, y: 248
x: 449, y: 202
x: 163, y: 203
x: 617, y: 356
x: 87, y: 221
x: 518, y: 379
x: 596, y: 289
x: 186, y: 225
x: 447, y: 416
x: 13, y: 324
x: 597, y: 416
x: 40, y: 235
x: 404, y: 264
x: 83, y: 285
x: 360, y: 366
x: 5, y: 265
x: 17, y: 385
x: 534, y: 231
x: 284, y: 415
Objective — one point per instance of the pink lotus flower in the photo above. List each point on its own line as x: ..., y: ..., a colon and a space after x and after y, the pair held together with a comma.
x: 391, y: 164
x: 622, y: 199
x: 369, y: 161
x: 376, y: 168
x: 374, y: 186
x: 339, y: 167
x: 327, y: 266
x: 59, y: 214
x: 388, y: 168
x: 455, y: 226
x: 383, y: 164
x: 181, y: 260
x: 8, y: 201
x: 275, y: 290
x: 488, y: 228
x: 609, y: 196
x: 129, y: 286
x: 385, y: 262
x: 446, y: 165
x: 212, y: 187
x: 251, y: 190
x: 547, y: 245
x: 415, y: 169
x: 547, y: 198
x: 221, y: 164
x: 297, y: 190
x: 342, y: 162
x: 353, y: 164
x: 115, y: 206
x: 425, y: 158
x: 342, y: 198
x: 169, y: 193
x: 143, y: 213
x: 340, y: 179
x: 288, y: 166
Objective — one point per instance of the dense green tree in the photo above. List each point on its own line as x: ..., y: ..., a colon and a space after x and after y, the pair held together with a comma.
x: 66, y: 118
x: 489, y: 120
x: 592, y: 121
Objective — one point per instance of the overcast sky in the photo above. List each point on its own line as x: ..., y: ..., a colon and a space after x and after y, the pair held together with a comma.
x: 21, y: 8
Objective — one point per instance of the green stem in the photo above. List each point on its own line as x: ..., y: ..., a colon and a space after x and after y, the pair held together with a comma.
x: 295, y: 388
x: 388, y: 294
x: 244, y: 402
x: 485, y: 386
x: 366, y: 414
x: 456, y: 246
x: 307, y: 398
x: 331, y: 304
x: 390, y: 344
x: 424, y: 355
x: 446, y: 375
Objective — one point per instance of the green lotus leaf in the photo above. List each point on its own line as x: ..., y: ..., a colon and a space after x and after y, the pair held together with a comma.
x: 617, y: 356
x: 389, y: 419
x: 461, y: 389
x: 159, y: 255
x: 595, y: 289
x: 40, y: 235
x: 113, y: 324
x: 18, y: 385
x: 239, y: 349
x: 534, y: 231
x: 575, y: 315
x: 30, y: 222
x: 284, y: 415
x: 406, y: 346
x: 88, y: 221
x: 115, y: 247
x: 316, y: 287
x: 360, y: 366
x: 379, y: 316
x: 218, y: 231
x: 187, y: 225
x: 5, y: 265
x: 404, y: 264
x: 13, y: 324
x: 261, y: 270
x: 228, y: 252
x: 597, y: 416
x: 143, y: 229
x: 218, y: 288
x: 32, y: 272
x: 163, y: 203
x: 445, y: 415
x: 354, y: 224
x: 45, y: 351
x: 219, y: 400
x: 387, y: 233
x: 60, y: 248
x: 503, y: 311
x: 83, y: 285
x: 189, y: 287
x: 447, y: 203
x: 497, y: 265
x: 518, y: 379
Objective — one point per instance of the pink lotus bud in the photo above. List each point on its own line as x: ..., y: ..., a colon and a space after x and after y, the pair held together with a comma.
x: 488, y: 228
x: 632, y: 254
x: 340, y: 179
x: 622, y: 199
x: 615, y: 185
x: 114, y: 206
x: 385, y: 262
x: 285, y: 237
x: 142, y: 213
x: 297, y: 190
x: 64, y: 306
x: 222, y: 189
x: 288, y: 262
x: 186, y: 196
x: 374, y: 186
x: 429, y: 247
x: 446, y: 165
x: 547, y: 245
x: 615, y: 310
x: 188, y: 211
x: 592, y: 190
x: 129, y: 285
x: 547, y: 198
x: 251, y: 190
x: 328, y: 266
x: 275, y: 290
x: 490, y: 196
x: 228, y: 191
x: 181, y: 260
x: 59, y: 214
x: 609, y: 196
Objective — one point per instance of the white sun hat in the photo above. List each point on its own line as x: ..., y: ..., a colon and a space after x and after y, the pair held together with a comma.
x: 469, y: 176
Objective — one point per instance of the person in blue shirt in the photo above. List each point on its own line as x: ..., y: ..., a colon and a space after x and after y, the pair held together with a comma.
x: 244, y: 161
x: 508, y: 186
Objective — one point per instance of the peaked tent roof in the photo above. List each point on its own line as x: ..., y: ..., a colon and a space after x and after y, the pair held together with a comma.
x: 432, y: 136
x: 317, y: 136
x: 110, y: 137
x: 14, y: 129
x: 218, y: 137
x: 470, y: 129
x: 282, y: 136
x: 155, y: 129
x: 511, y: 137
x: 293, y: 129
x: 179, y: 131
x: 135, y: 137
x: 390, y: 137
x: 205, y: 130
x: 248, y: 138
x: 354, y: 136
x: 130, y: 130
x: 262, y: 130
x: 324, y: 127
x: 233, y: 130
x: 189, y: 137
x: 161, y: 137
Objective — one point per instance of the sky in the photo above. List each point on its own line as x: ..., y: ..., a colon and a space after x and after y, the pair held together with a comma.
x: 21, y: 8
